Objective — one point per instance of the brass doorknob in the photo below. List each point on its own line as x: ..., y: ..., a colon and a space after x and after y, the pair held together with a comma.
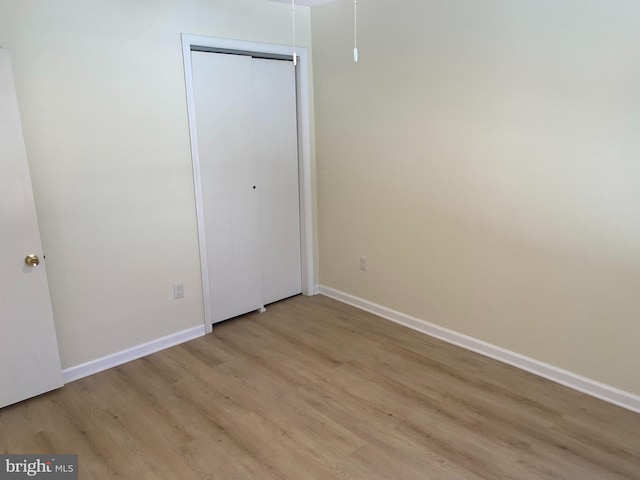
x: 32, y: 260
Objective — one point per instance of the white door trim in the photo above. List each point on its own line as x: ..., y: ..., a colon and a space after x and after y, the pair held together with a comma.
x: 304, y: 158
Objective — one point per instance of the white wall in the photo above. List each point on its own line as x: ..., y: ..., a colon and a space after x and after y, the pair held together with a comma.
x: 102, y: 98
x: 484, y: 156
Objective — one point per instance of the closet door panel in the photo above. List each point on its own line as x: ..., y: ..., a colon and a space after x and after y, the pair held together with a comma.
x: 228, y: 170
x: 276, y: 142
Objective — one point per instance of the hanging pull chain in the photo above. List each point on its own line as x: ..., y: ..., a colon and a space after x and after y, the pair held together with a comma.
x: 293, y: 21
x: 355, y: 31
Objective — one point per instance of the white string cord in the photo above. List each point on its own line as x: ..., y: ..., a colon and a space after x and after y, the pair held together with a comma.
x: 293, y: 21
x: 355, y: 30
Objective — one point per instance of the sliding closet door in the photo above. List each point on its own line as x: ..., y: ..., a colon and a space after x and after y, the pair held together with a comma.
x: 248, y: 157
x: 229, y: 177
x: 276, y: 141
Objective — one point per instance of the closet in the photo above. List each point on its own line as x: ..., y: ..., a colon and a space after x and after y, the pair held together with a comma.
x: 246, y: 127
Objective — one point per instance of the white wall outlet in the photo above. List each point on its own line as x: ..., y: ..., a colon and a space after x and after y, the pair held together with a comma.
x: 363, y: 264
x: 178, y: 290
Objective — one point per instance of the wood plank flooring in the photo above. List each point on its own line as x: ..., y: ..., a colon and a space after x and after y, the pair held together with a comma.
x: 315, y: 389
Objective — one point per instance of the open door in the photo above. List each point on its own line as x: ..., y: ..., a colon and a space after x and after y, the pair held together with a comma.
x: 29, y: 359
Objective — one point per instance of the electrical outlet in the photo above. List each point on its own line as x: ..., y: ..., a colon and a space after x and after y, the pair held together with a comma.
x: 178, y: 290
x: 363, y: 264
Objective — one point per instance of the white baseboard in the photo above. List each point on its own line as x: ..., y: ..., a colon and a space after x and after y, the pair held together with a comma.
x: 133, y: 353
x: 568, y: 379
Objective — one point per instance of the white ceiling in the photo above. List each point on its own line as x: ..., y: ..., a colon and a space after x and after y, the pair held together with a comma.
x: 308, y: 3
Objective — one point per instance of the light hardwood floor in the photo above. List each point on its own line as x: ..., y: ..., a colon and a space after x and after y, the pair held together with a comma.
x: 314, y: 389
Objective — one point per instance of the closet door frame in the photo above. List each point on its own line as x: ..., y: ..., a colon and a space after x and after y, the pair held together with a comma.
x: 197, y: 42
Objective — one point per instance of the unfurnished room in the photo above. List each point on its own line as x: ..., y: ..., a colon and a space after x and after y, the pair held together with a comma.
x: 320, y: 239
